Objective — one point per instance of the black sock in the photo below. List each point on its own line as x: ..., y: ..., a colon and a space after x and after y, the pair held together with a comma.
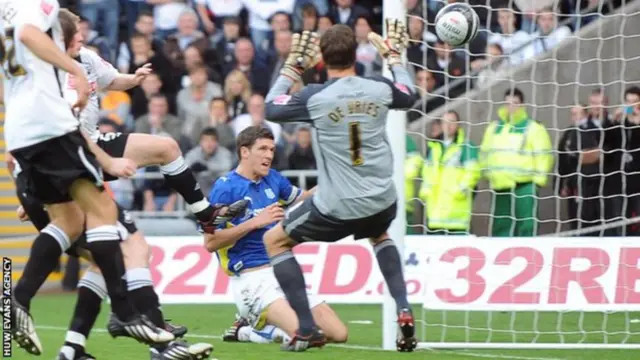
x: 104, y: 244
x: 390, y: 265
x: 291, y: 280
x: 180, y: 178
x: 91, y: 291
x: 43, y: 259
x: 146, y: 302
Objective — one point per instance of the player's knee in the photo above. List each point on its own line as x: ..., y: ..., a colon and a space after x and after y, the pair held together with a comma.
x: 136, y: 252
x: 170, y: 149
x: 275, y: 240
x: 73, y: 229
x: 377, y: 240
x: 339, y: 334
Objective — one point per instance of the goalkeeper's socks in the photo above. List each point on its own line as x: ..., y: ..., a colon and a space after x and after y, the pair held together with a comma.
x: 91, y: 291
x: 143, y: 295
x: 291, y: 280
x: 43, y: 259
x: 180, y: 178
x: 390, y: 265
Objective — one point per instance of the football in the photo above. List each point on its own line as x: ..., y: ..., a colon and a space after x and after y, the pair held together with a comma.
x: 457, y: 24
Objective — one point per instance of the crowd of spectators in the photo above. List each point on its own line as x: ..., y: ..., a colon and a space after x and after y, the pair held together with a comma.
x: 214, y: 61
x: 511, y: 32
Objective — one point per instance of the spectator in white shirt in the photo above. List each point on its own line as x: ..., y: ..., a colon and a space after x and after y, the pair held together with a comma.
x: 510, y: 38
x: 220, y: 9
x: 494, y: 63
x: 260, y: 13
x: 165, y: 14
x: 366, y: 53
x: 548, y: 36
x: 255, y: 117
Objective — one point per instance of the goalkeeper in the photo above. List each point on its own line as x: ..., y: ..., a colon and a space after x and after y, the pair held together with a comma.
x: 241, y: 252
x: 356, y: 195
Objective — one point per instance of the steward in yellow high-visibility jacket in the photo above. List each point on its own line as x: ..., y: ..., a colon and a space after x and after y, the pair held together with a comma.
x: 449, y: 177
x: 516, y: 157
x: 412, y: 167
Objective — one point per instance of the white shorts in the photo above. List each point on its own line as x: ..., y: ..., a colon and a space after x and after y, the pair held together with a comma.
x: 254, y: 291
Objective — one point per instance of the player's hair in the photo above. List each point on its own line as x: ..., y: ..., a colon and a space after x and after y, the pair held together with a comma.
x: 338, y: 46
x: 515, y: 92
x: 209, y: 131
x: 249, y: 136
x: 69, y: 25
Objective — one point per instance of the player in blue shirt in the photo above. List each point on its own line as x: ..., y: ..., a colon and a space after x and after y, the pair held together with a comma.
x: 240, y: 248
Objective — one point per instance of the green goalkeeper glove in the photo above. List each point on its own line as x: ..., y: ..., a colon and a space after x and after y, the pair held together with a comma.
x: 392, y: 47
x: 304, y: 54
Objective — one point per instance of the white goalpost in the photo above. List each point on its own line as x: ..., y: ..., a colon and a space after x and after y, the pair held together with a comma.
x: 396, y: 132
x: 558, y: 289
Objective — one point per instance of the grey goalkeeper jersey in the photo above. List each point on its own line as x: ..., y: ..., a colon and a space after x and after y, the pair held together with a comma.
x: 353, y: 155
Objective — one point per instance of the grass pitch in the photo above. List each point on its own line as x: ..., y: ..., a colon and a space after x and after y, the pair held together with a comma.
x: 207, y: 322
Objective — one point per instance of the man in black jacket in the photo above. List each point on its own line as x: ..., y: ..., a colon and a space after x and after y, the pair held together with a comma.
x: 579, y: 168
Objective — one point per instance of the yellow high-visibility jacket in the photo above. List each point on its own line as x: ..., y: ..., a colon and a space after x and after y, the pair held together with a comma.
x: 448, y: 178
x: 515, y: 150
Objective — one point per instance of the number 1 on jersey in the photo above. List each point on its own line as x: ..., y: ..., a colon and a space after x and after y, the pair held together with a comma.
x: 355, y: 143
x: 8, y: 55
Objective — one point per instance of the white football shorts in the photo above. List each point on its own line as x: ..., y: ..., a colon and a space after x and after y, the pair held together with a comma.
x: 254, y: 291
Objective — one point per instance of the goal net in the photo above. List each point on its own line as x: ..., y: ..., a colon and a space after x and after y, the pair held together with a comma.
x: 535, y: 185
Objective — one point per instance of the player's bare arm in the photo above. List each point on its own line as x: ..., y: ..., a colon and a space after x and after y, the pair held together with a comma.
x: 125, y: 82
x: 227, y: 237
x: 43, y: 47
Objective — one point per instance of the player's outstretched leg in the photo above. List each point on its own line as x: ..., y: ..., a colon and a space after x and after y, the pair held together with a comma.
x: 291, y: 280
x: 390, y: 264
x: 147, y: 150
x: 45, y: 254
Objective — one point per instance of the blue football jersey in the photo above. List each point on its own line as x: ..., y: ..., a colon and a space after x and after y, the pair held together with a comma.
x: 249, y: 251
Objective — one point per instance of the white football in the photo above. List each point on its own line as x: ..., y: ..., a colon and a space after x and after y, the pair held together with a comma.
x: 457, y: 24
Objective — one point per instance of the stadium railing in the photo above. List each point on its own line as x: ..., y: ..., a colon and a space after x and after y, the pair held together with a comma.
x: 300, y: 177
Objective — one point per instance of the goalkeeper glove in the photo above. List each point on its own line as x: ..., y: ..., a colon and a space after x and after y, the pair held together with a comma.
x: 304, y: 54
x: 392, y: 47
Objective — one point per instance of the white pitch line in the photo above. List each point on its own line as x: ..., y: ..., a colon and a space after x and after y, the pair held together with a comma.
x: 350, y: 347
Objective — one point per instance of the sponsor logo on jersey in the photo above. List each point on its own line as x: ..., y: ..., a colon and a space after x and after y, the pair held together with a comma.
x: 46, y: 7
x: 269, y: 193
x: 402, y: 88
x: 282, y: 99
x: 72, y: 84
